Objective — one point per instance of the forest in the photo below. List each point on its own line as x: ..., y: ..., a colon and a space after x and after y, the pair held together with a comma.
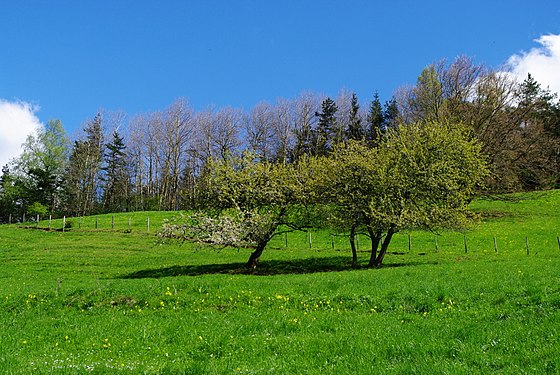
x: 157, y: 160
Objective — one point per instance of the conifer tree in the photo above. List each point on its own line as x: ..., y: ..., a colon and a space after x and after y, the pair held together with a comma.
x: 323, y: 140
x: 355, y: 130
x: 375, y: 122
x: 115, y: 177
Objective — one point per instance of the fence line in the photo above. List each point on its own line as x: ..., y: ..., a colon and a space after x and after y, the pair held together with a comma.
x: 318, y: 241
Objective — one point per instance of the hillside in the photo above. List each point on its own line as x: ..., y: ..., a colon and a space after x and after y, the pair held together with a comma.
x: 102, y: 299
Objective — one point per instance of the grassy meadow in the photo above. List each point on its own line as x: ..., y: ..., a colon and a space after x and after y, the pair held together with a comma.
x: 107, y: 299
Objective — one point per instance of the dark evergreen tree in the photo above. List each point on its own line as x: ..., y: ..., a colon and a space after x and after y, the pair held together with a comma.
x: 116, y: 176
x: 323, y: 139
x: 92, y: 159
x: 390, y: 114
x: 375, y: 122
x: 355, y: 130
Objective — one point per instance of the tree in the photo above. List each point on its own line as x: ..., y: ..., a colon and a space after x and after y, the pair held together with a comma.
x: 244, y: 202
x: 116, y: 177
x: 422, y: 176
x: 259, y: 131
x: 282, y: 131
x: 375, y: 121
x: 391, y: 114
x: 508, y: 118
x: 324, y: 139
x: 355, y: 130
x: 11, y: 194
x: 305, y: 120
x: 42, y: 165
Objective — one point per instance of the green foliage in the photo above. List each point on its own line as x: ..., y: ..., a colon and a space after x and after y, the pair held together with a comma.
x: 355, y: 130
x: 37, y: 208
x: 40, y: 168
x: 421, y: 176
x: 243, y: 202
x: 116, y: 177
x: 325, y: 135
x: 375, y: 121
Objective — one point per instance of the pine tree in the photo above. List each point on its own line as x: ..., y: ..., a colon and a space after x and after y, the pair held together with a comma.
x: 375, y: 122
x: 115, y: 177
x: 93, y: 158
x: 390, y: 114
x: 355, y: 130
x: 323, y: 140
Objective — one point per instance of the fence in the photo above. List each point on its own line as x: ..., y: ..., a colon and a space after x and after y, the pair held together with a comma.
x: 423, y: 242
x: 139, y: 222
x: 410, y: 242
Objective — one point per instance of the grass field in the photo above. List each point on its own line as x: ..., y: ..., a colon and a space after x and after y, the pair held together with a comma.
x: 104, y: 300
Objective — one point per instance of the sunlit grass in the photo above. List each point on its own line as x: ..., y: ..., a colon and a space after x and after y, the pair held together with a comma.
x: 105, y: 301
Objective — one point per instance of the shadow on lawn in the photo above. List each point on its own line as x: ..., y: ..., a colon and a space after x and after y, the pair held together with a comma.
x: 265, y: 268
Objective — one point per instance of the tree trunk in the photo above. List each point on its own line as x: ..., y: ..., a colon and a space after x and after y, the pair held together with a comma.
x: 353, y: 247
x: 255, y: 255
x: 375, y: 239
x: 384, y: 246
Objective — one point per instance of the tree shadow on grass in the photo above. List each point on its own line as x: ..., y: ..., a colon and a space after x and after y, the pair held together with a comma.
x: 264, y: 268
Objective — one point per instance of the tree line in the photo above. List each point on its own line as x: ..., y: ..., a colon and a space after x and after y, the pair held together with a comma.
x: 155, y: 161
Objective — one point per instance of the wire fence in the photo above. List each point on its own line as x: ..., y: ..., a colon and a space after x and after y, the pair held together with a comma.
x: 419, y: 242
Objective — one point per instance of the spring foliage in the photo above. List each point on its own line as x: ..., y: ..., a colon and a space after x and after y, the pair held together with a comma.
x: 421, y: 176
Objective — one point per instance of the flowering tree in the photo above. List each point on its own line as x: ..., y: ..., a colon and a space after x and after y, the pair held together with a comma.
x: 243, y: 202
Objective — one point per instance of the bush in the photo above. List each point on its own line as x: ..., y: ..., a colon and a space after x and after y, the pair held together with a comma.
x: 37, y: 208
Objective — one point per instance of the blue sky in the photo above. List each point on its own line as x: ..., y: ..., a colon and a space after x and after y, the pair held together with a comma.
x: 67, y: 59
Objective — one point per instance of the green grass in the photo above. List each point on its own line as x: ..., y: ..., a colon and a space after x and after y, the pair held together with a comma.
x: 112, y: 301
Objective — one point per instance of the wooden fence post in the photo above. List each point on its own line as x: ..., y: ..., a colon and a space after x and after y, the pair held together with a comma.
x: 465, y: 242
x: 409, y: 243
x: 495, y: 245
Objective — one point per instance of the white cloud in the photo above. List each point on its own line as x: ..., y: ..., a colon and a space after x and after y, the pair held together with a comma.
x: 17, y: 121
x: 542, y: 62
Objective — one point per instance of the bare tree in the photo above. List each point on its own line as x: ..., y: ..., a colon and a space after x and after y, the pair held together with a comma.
x: 258, y: 126
x: 282, y: 130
